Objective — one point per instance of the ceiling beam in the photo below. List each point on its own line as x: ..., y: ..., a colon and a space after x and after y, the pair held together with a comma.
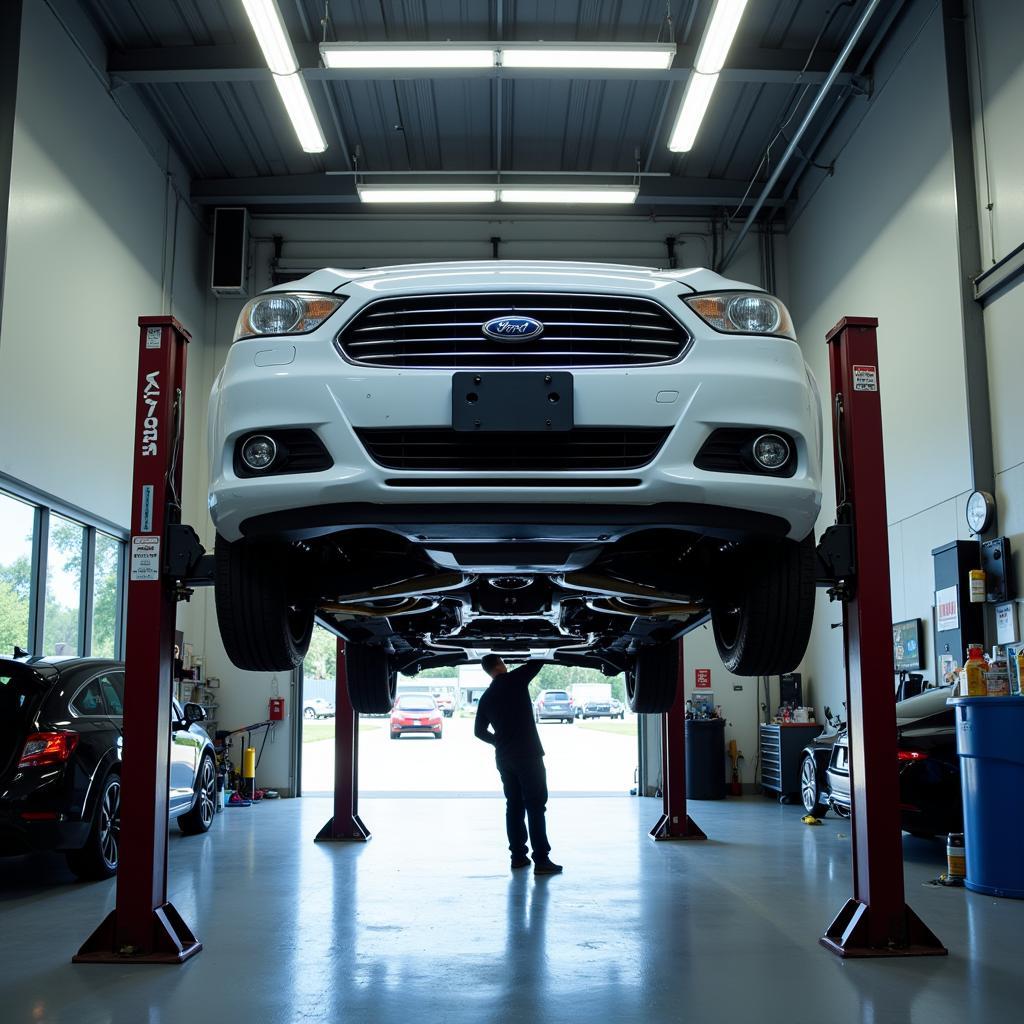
x: 339, y: 189
x: 244, y: 63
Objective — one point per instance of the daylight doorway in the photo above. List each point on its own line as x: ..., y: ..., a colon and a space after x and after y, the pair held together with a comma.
x: 590, y: 750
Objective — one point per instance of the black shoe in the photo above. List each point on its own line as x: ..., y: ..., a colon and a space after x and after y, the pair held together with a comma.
x: 546, y: 867
x: 520, y: 862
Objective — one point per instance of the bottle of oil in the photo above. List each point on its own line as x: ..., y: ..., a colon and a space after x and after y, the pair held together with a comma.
x: 975, y: 672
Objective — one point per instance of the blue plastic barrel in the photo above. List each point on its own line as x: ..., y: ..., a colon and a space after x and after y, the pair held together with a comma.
x: 990, y: 742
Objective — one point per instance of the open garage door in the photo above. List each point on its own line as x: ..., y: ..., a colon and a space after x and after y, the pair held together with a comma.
x: 588, y: 733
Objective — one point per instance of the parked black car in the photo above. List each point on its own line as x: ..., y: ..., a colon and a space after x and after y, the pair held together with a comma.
x: 929, y: 769
x: 60, y: 761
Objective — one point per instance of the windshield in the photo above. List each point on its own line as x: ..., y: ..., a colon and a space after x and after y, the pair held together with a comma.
x: 415, y: 702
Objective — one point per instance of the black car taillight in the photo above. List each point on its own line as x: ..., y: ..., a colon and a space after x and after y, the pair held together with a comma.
x: 911, y: 755
x: 42, y: 748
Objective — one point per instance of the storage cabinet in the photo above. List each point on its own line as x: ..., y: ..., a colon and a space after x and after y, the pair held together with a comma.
x: 781, y: 751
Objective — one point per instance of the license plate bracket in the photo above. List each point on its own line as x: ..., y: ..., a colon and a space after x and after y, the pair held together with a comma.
x: 505, y: 402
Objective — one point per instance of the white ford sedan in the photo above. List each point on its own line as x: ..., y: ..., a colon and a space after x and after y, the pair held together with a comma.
x: 569, y: 461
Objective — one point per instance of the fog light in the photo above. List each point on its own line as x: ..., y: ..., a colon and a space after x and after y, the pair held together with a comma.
x: 771, y: 451
x: 259, y: 452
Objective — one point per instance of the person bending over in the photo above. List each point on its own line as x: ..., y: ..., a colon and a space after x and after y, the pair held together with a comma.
x: 506, y: 709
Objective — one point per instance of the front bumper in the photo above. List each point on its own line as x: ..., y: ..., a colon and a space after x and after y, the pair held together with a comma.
x: 305, y: 383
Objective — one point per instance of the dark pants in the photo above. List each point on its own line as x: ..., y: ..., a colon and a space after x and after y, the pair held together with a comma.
x: 526, y: 795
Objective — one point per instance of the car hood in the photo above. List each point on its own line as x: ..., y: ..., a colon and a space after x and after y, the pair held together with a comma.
x: 534, y: 275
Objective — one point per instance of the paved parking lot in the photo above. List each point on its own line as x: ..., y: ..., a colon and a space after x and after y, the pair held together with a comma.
x: 580, y: 758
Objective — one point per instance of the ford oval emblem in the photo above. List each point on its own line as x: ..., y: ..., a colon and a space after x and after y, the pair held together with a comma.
x: 513, y: 328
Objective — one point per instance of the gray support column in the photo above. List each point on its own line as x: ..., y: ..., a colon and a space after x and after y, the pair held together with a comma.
x: 979, y: 417
x: 10, y: 48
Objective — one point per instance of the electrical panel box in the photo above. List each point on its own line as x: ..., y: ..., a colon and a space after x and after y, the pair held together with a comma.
x: 998, y: 566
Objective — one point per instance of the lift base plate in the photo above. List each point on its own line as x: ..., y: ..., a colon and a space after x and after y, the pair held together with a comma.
x: 357, y: 832
x: 848, y: 936
x: 171, y: 942
x: 669, y: 828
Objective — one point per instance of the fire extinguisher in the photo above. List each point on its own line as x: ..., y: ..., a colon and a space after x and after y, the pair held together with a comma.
x: 276, y: 709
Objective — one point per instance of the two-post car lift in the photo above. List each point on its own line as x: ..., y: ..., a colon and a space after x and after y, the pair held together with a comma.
x: 166, y: 560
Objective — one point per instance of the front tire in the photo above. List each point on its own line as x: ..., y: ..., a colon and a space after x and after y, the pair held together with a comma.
x: 810, y: 790
x: 309, y: 714
x: 372, y: 682
x: 99, y: 857
x: 265, y: 607
x: 763, y: 627
x: 651, y: 683
x: 200, y: 818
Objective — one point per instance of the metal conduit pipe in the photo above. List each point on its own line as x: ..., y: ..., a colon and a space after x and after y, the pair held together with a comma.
x: 804, y: 124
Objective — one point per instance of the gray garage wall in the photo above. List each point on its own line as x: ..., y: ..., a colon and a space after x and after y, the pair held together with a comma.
x: 878, y: 239
x: 97, y: 236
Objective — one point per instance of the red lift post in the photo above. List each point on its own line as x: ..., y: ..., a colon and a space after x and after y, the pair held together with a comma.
x: 877, y: 920
x: 674, y: 822
x: 144, y: 927
x: 345, y: 826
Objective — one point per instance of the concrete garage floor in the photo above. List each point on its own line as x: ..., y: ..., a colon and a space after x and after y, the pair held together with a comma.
x: 425, y: 923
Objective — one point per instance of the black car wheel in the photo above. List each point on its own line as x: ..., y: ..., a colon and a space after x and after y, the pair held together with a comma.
x: 651, y: 683
x: 265, y: 606
x: 762, y: 628
x: 200, y: 818
x: 372, y: 682
x: 98, y: 858
x: 810, y: 790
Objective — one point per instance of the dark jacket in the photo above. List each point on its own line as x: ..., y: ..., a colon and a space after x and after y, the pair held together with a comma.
x: 505, y: 706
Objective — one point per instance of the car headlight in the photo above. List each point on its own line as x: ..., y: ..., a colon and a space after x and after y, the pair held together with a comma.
x: 285, y: 313
x: 743, y: 313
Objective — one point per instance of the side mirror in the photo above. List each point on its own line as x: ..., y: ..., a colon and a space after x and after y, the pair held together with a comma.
x: 194, y: 713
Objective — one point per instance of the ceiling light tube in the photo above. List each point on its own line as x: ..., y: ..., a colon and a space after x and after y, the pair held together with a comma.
x: 300, y: 109
x: 718, y: 36
x: 272, y: 36
x: 699, y: 89
x: 426, y: 194
x: 405, y: 55
x: 630, y: 56
x: 554, y: 194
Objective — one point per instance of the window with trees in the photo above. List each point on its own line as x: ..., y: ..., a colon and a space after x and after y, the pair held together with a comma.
x: 61, y: 578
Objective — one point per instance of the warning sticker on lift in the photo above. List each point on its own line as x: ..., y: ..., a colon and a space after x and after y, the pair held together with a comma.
x: 865, y: 378
x: 152, y: 337
x: 145, y: 559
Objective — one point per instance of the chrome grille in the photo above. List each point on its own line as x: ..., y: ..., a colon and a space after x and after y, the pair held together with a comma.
x: 445, y: 332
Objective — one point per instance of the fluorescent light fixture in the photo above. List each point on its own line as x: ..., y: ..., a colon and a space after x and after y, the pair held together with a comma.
x: 590, y: 196
x: 699, y: 89
x: 714, y: 48
x: 404, y: 55
x: 635, y: 57
x: 620, y: 56
x: 300, y: 109
x: 272, y: 36
x: 718, y: 36
x: 426, y: 194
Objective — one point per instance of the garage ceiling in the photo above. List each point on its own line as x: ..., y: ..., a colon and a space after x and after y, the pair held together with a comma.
x: 196, y: 64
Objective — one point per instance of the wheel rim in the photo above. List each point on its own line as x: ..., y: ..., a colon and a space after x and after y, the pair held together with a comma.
x: 309, y: 713
x: 727, y: 621
x: 808, y: 786
x: 207, y: 793
x: 110, y: 823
